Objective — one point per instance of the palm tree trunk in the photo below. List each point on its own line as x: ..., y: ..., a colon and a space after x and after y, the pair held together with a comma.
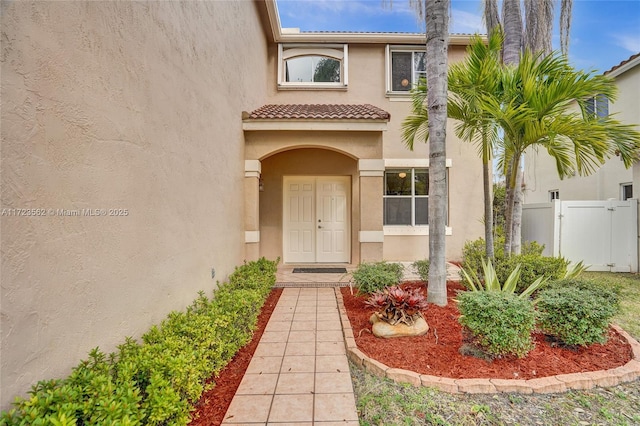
x: 508, y: 210
x: 488, y: 210
x: 516, y: 224
x: 437, y: 26
x: 512, y: 19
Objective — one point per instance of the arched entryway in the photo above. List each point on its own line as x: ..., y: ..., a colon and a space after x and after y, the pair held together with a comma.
x: 309, y: 205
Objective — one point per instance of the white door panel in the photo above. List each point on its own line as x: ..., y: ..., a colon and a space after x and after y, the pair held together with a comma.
x: 316, y: 219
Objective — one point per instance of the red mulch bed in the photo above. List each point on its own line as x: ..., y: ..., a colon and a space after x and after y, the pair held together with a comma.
x: 436, y: 353
x: 213, y: 404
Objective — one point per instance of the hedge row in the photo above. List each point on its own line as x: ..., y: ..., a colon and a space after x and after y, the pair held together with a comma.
x: 157, y: 381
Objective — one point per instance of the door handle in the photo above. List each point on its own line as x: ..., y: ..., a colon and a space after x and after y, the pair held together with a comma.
x: 319, y: 227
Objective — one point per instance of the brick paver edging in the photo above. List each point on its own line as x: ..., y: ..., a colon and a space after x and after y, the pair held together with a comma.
x: 552, y: 384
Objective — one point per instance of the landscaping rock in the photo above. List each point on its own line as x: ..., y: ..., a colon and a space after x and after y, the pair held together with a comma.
x: 385, y: 330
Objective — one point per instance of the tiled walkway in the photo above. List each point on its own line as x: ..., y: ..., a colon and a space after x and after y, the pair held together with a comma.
x: 299, y: 373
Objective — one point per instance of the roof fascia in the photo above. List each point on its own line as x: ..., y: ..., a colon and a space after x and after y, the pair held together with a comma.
x: 624, y: 68
x: 315, y: 125
x: 364, y: 38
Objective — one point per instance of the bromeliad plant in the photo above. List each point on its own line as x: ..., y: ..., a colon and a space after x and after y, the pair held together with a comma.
x: 395, y: 305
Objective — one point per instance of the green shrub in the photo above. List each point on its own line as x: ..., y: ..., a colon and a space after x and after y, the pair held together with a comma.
x: 501, y: 323
x: 576, y: 312
x: 532, y: 267
x: 474, y: 251
x: 371, y: 277
x: 532, y: 264
x: 155, y: 382
x: 422, y: 267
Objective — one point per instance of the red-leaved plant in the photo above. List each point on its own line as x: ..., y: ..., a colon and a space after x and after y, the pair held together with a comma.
x: 395, y: 305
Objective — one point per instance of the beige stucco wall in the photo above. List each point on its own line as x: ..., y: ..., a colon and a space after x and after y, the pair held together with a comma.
x: 367, y: 85
x: 127, y: 105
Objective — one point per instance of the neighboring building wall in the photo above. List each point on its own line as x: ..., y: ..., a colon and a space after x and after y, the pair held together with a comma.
x: 366, y: 84
x: 118, y: 105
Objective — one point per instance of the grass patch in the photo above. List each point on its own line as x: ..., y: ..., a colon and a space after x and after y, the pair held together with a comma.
x: 383, y: 402
x: 629, y: 285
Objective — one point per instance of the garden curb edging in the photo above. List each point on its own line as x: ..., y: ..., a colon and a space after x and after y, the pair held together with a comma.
x: 551, y: 384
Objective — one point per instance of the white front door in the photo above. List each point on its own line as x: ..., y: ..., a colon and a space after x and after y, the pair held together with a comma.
x: 316, y: 219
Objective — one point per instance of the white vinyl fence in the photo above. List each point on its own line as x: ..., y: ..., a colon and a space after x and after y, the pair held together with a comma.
x: 603, y: 234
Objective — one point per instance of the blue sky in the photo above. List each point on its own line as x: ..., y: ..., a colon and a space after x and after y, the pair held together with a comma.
x: 603, y: 32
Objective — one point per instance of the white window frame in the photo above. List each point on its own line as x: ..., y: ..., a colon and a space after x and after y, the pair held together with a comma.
x: 388, y: 85
x: 598, y: 106
x: 411, y: 230
x: 622, y: 188
x: 339, y: 52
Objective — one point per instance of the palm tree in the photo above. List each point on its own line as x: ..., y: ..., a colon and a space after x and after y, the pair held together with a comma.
x: 437, y: 26
x: 436, y: 16
x: 536, y: 110
x: 534, y: 35
x: 534, y: 105
x: 469, y: 82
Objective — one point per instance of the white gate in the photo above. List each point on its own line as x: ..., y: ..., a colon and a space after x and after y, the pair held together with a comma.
x: 603, y: 234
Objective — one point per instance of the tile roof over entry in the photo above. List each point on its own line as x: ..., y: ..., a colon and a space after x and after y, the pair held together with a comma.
x: 319, y: 112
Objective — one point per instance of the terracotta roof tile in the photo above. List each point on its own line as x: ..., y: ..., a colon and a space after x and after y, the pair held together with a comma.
x: 319, y: 112
x: 626, y: 61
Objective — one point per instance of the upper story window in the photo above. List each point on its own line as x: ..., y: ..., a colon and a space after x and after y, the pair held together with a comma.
x: 405, y: 67
x: 598, y: 106
x: 312, y: 66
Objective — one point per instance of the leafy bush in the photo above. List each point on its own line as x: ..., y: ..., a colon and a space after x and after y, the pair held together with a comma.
x: 422, y: 267
x: 532, y: 264
x: 474, y: 251
x: 371, y: 277
x: 394, y: 305
x: 501, y: 323
x: 155, y: 382
x: 577, y: 312
x: 532, y: 267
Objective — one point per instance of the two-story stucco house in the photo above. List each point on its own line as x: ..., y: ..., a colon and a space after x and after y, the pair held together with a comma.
x: 149, y: 147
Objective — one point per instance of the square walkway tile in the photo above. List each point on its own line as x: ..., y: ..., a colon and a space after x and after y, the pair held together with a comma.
x: 302, y: 336
x: 335, y: 407
x: 248, y: 409
x: 329, y: 325
x: 291, y: 408
x: 303, y: 325
x: 299, y: 348
x: 270, y: 349
x: 274, y: 336
x: 258, y: 384
x: 264, y: 365
x: 278, y: 326
x: 334, y: 383
x: 330, y: 336
x: 332, y: 364
x: 328, y: 316
x: 298, y: 364
x: 330, y: 348
x: 295, y: 383
x: 304, y: 317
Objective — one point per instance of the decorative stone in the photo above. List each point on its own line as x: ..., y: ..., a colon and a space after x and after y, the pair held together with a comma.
x: 386, y: 330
